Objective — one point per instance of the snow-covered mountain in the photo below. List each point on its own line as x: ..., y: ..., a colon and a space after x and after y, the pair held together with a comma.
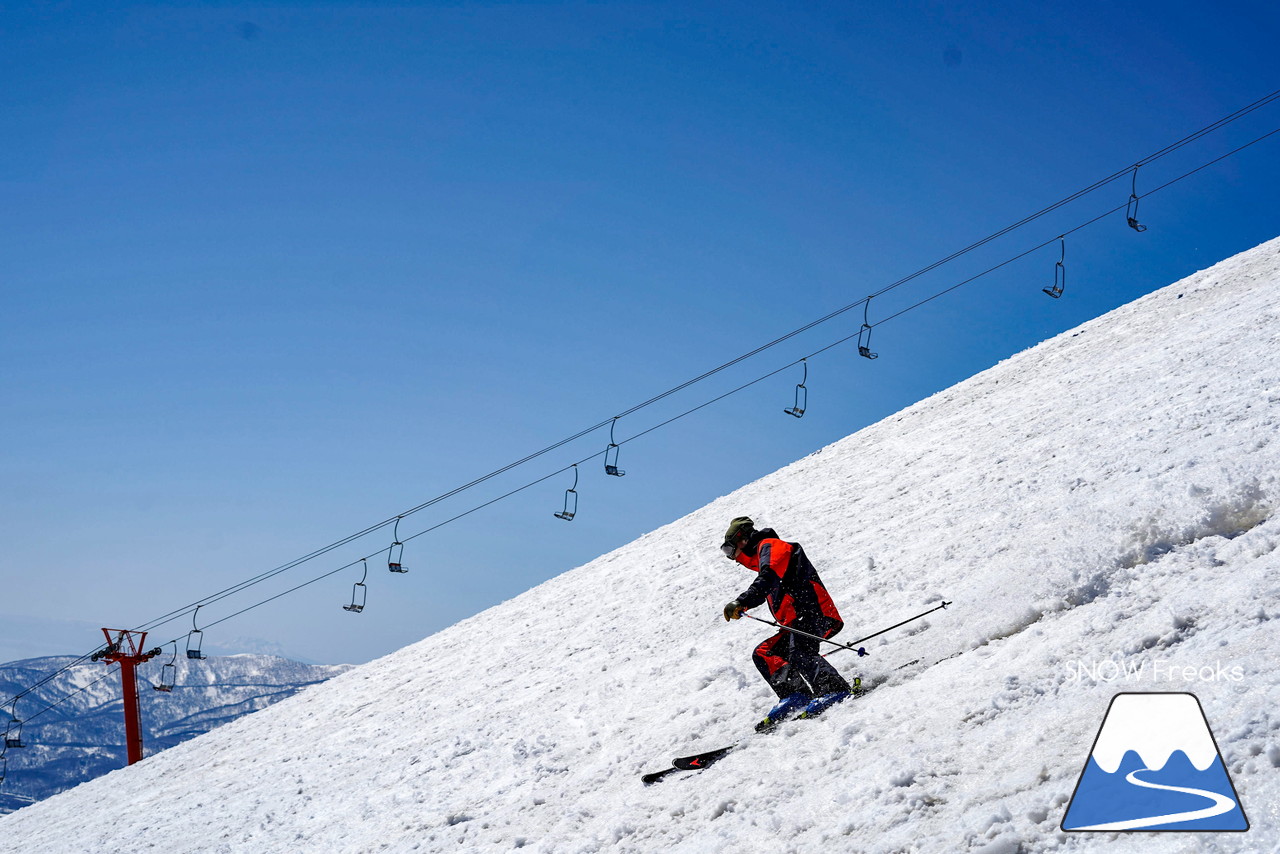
x: 83, y: 737
x: 1130, y: 727
x: 1101, y: 509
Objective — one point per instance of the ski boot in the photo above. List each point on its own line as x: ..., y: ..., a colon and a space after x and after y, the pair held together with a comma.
x: 820, y: 704
x: 787, y: 707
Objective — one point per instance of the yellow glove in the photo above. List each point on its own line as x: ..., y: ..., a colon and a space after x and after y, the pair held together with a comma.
x: 733, y: 611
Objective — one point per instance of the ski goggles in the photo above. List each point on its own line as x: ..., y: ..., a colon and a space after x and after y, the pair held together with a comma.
x: 730, y: 550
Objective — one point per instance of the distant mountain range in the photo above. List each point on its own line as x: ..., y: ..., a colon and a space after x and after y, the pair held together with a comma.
x: 83, y: 737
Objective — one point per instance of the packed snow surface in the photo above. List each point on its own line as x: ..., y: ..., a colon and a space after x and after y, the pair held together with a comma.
x: 1100, y: 509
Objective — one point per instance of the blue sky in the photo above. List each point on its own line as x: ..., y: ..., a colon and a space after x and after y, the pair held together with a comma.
x: 273, y: 273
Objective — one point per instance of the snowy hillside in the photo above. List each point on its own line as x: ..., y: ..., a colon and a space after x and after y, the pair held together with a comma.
x: 1101, y: 509
x: 83, y: 738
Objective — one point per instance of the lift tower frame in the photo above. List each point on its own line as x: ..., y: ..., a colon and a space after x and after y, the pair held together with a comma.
x: 124, y: 647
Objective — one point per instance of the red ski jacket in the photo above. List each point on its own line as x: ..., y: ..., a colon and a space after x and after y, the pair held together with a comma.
x: 788, y: 582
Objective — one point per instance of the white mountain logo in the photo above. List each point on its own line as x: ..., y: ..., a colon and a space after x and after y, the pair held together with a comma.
x: 1155, y: 766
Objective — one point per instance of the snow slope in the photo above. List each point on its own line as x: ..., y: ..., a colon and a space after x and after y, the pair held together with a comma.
x: 1101, y: 509
x: 83, y: 737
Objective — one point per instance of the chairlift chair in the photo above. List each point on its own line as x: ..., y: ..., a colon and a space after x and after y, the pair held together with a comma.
x: 864, y: 334
x: 1131, y: 210
x: 395, y: 555
x: 802, y: 394
x: 570, y: 495
x: 195, y: 638
x: 1131, y: 215
x: 359, y: 592
x: 1059, y: 273
x: 13, y: 732
x: 864, y: 343
x: 359, y: 595
x: 168, y: 673
x: 611, y: 454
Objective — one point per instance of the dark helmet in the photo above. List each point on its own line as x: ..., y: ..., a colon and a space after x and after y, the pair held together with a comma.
x: 740, y: 531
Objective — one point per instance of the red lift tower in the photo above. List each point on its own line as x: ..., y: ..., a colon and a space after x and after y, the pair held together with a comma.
x: 124, y: 647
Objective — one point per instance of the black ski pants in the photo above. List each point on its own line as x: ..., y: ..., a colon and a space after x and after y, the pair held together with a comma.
x: 791, y: 664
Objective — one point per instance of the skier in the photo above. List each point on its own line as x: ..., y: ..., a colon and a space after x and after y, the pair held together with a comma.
x: 789, y: 662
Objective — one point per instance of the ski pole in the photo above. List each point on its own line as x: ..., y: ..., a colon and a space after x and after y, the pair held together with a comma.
x: 896, y: 625
x: 853, y: 647
x: 804, y: 634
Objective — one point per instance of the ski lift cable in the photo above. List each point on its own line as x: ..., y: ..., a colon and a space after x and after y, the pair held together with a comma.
x: 495, y: 500
x: 331, y: 573
x: 775, y: 342
x: 733, y: 391
x: 523, y: 487
x: 346, y: 566
x: 272, y: 573
x: 741, y: 388
x: 1212, y: 162
x: 82, y: 659
x: 1169, y: 149
x: 54, y: 705
x: 240, y: 587
x: 943, y: 292
x: 269, y: 574
x: 610, y: 422
x: 737, y: 389
x: 1044, y: 211
x: 1071, y: 231
x: 392, y: 520
x: 1207, y: 129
